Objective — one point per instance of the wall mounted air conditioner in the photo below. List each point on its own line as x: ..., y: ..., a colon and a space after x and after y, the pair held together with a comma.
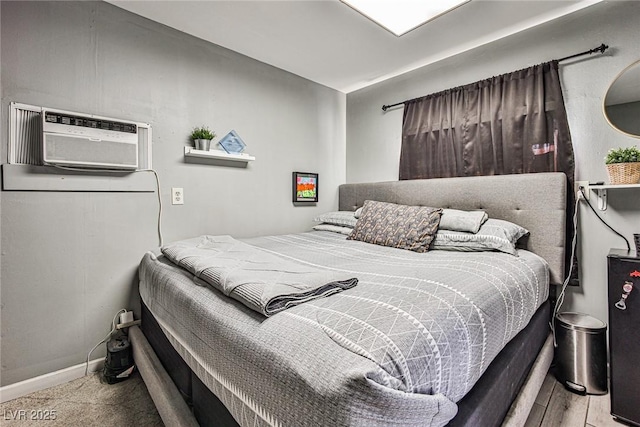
x: 26, y: 145
x: 88, y: 141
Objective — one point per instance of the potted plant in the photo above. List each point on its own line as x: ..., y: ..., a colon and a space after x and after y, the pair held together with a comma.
x: 623, y: 165
x: 202, y: 137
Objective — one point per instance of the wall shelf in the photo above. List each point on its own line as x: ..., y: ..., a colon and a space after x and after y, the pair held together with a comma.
x: 218, y: 154
x: 601, y: 192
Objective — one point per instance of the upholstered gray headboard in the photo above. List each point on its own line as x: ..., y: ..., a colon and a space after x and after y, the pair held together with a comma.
x: 534, y: 201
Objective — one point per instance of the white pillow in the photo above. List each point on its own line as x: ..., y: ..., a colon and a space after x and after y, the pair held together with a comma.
x: 494, y: 235
x: 333, y: 228
x: 343, y: 218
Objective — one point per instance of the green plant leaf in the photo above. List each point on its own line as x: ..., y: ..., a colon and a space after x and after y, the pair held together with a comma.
x: 623, y: 155
x: 202, y: 133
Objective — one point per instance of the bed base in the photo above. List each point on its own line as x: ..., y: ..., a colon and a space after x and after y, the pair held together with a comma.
x: 504, y: 381
x: 171, y: 406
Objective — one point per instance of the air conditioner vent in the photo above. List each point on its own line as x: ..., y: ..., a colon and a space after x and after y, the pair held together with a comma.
x: 107, y: 143
x: 25, y: 134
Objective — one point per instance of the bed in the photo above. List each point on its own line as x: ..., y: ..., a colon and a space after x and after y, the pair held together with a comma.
x: 373, y: 354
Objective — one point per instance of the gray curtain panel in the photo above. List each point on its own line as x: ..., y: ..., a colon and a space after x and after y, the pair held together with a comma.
x: 508, y: 124
x: 513, y: 123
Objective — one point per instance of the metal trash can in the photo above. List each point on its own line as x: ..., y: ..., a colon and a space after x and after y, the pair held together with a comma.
x: 581, y: 355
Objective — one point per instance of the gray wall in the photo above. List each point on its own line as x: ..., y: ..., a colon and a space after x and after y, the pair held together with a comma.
x: 373, y: 148
x: 69, y: 259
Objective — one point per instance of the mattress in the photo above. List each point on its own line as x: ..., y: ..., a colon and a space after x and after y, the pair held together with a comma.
x: 485, y: 405
x: 401, y: 348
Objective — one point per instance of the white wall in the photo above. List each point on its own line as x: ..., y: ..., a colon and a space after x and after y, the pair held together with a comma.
x: 69, y: 259
x: 373, y: 137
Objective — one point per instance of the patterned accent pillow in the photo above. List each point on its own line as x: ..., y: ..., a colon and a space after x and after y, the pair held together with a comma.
x: 494, y: 235
x: 343, y: 218
x: 397, y: 226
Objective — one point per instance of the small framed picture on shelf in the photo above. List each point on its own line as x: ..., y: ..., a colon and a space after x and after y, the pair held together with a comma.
x: 232, y: 143
x: 305, y: 187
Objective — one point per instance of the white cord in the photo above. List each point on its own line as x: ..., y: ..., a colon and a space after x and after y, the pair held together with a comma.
x: 123, y: 171
x: 113, y: 328
x: 159, y: 204
x: 560, y: 299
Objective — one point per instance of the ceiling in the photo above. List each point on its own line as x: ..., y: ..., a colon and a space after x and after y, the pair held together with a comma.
x: 330, y: 43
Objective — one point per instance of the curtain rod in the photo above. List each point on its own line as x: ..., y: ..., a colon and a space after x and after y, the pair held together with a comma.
x: 600, y: 49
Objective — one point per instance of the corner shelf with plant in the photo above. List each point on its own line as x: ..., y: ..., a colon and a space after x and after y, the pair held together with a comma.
x: 623, y: 167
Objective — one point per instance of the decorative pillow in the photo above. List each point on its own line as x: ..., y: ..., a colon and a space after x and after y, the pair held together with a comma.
x: 397, y: 226
x: 494, y: 235
x: 343, y: 218
x: 468, y: 221
x: 334, y: 228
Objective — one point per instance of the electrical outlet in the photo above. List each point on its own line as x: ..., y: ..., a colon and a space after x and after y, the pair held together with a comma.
x: 585, y: 186
x: 177, y: 196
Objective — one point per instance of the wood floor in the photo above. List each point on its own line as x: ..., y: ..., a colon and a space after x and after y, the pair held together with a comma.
x: 557, y: 407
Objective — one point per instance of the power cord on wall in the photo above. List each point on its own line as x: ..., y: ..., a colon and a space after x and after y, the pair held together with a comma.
x: 580, y: 196
x: 560, y: 299
x: 155, y: 173
x: 584, y: 197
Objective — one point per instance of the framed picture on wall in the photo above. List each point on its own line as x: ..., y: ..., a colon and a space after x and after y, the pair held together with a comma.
x: 305, y: 187
x: 232, y: 143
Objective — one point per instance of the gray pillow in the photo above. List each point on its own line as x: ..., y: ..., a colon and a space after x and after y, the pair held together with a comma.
x: 333, y: 228
x: 456, y: 220
x: 494, y: 235
x: 343, y: 218
x: 397, y: 226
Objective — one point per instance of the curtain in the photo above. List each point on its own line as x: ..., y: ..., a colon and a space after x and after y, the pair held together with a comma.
x: 513, y: 123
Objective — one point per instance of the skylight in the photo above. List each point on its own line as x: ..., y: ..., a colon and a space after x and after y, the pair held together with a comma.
x: 402, y: 16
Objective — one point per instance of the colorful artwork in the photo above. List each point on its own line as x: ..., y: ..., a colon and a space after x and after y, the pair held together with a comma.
x: 305, y: 187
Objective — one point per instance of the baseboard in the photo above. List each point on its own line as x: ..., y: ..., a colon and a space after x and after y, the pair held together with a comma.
x: 22, y: 388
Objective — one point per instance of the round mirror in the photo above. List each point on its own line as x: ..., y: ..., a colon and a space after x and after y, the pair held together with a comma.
x: 622, y: 101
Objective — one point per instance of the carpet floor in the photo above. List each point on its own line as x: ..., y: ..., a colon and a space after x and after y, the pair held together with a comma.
x: 87, y: 401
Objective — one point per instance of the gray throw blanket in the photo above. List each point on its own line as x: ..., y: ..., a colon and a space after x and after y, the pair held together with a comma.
x: 263, y: 281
